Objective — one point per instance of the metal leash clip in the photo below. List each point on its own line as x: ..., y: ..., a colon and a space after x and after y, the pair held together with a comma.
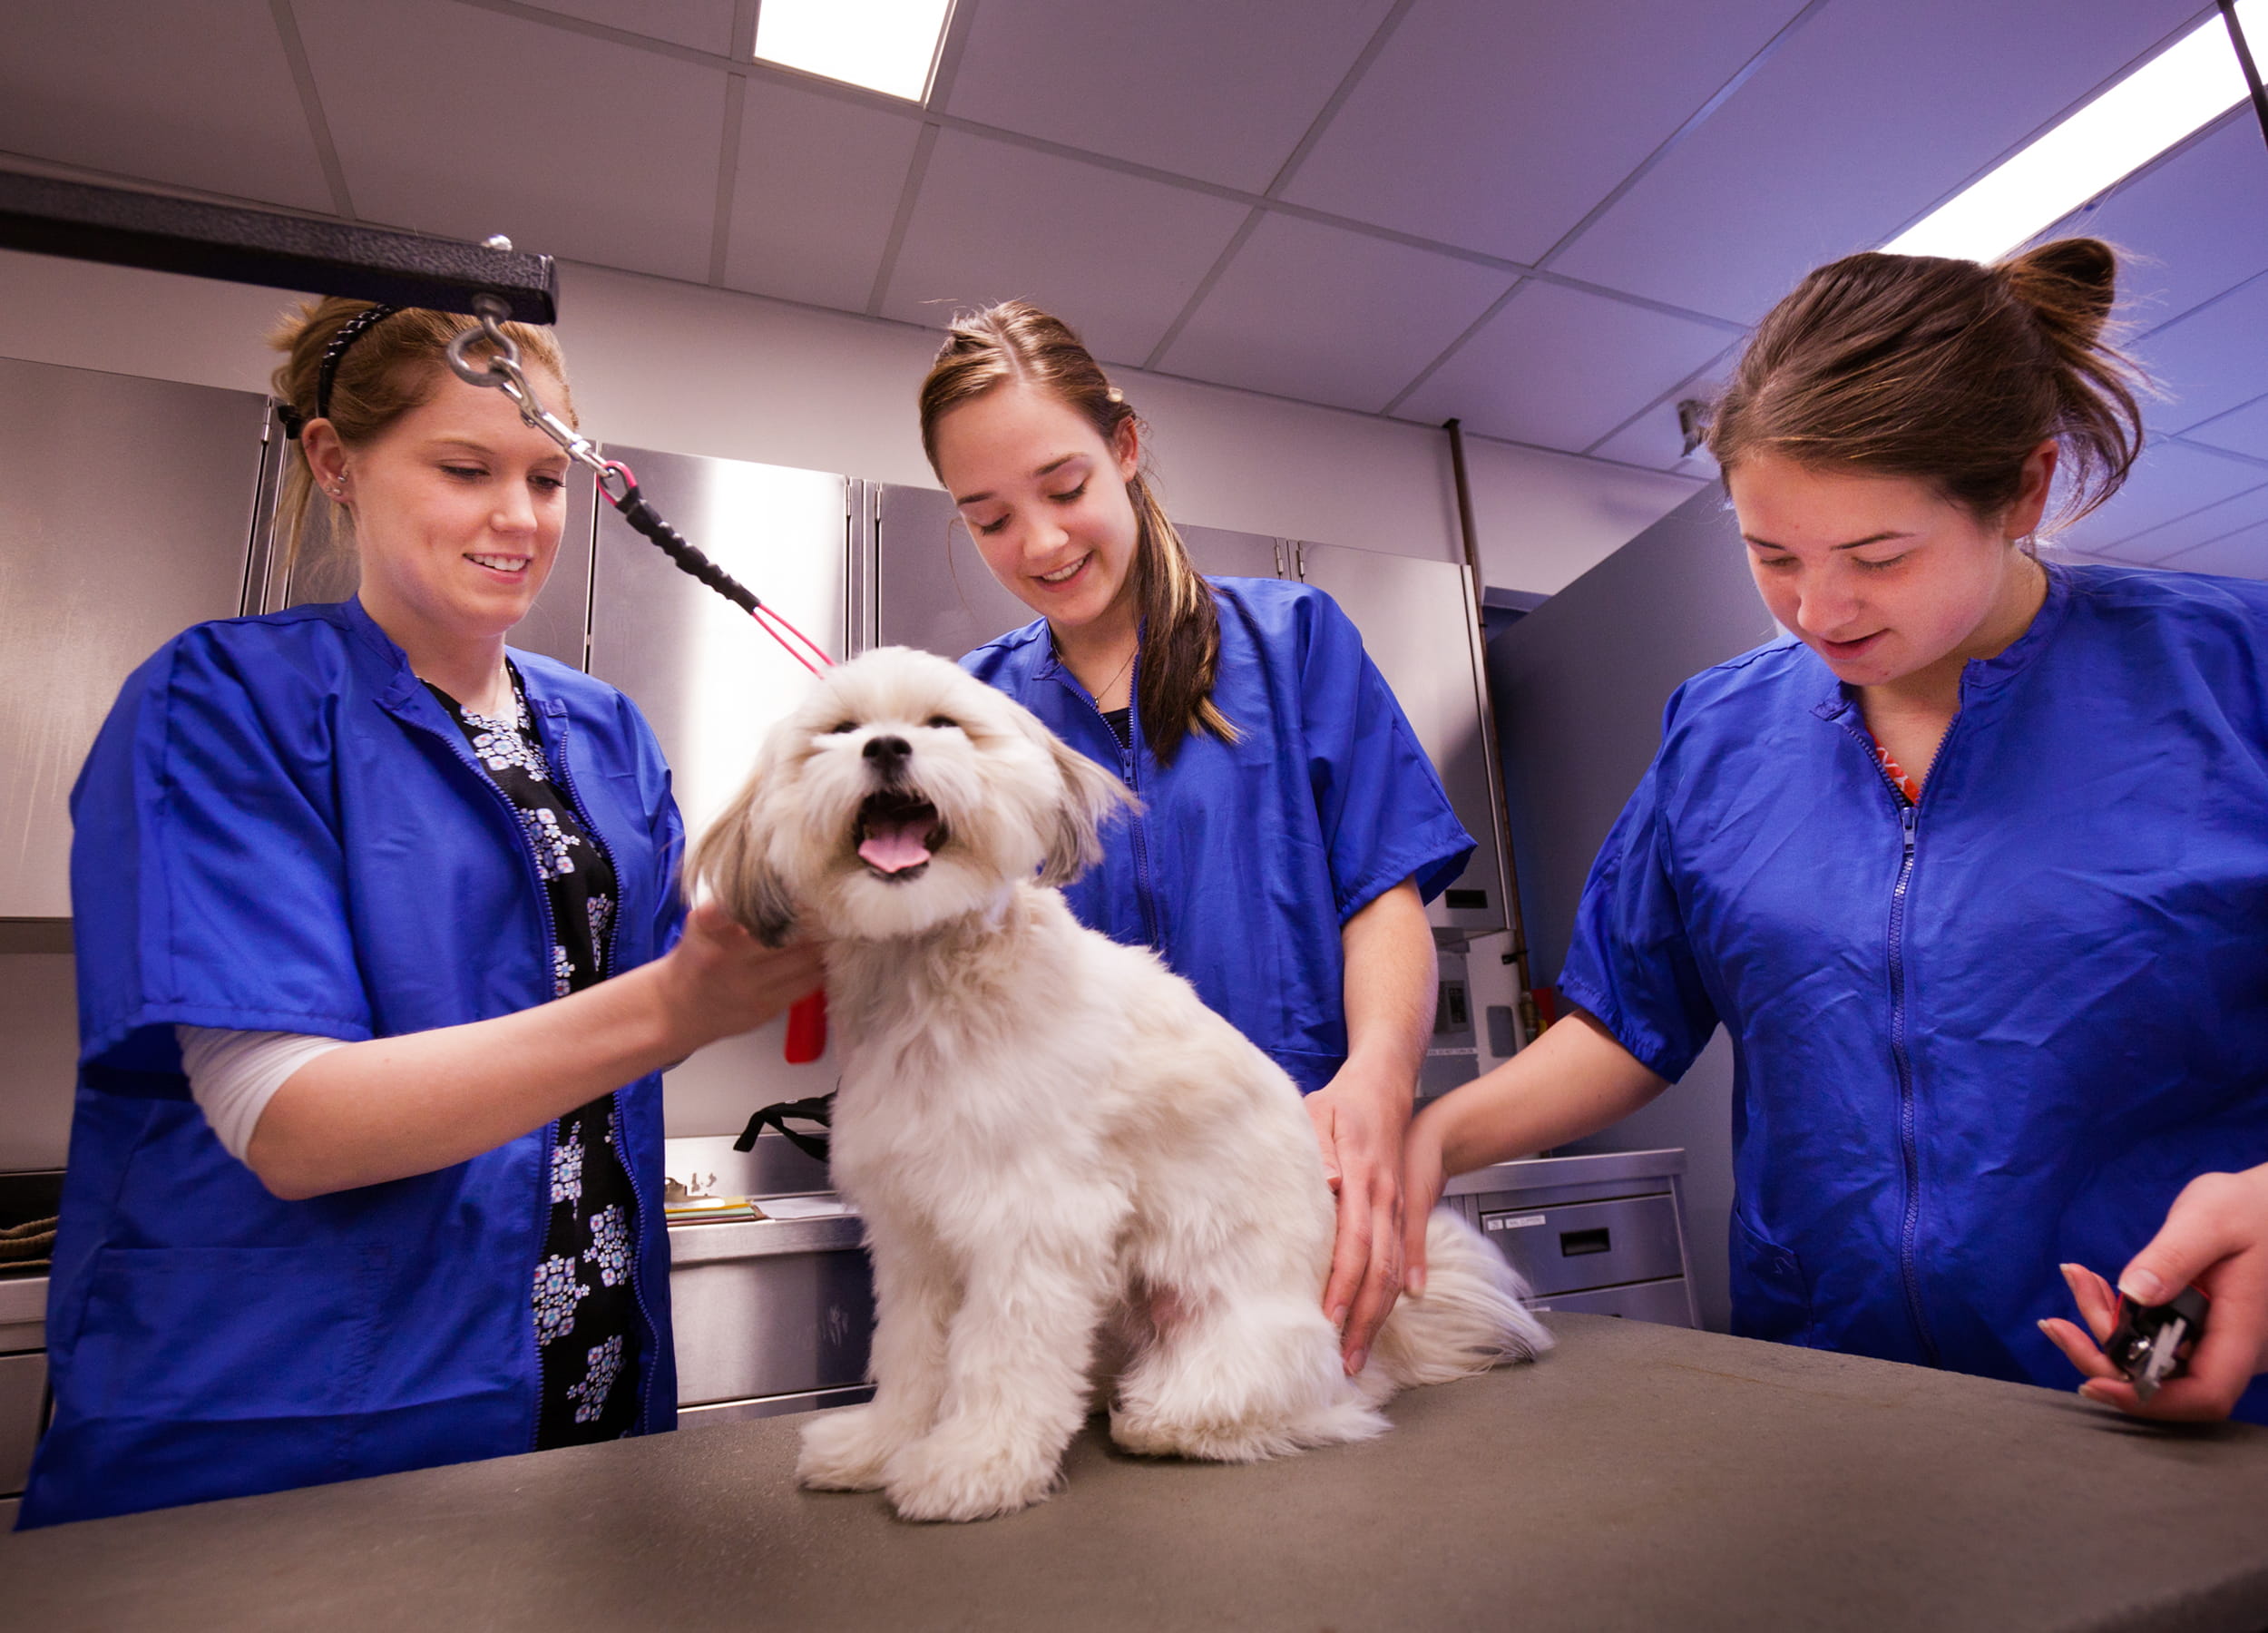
x: 501, y: 370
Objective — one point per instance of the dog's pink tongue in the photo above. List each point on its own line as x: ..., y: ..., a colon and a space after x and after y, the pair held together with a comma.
x: 895, y: 848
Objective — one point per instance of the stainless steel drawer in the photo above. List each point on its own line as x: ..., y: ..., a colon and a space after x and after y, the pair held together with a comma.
x: 1664, y: 1303
x: 779, y: 1324
x: 1587, y: 1244
x: 23, y: 1398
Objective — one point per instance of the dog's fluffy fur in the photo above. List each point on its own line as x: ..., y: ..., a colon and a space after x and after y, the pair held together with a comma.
x: 1077, y: 1180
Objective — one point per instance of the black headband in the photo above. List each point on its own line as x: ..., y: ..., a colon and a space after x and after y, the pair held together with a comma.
x: 349, y: 333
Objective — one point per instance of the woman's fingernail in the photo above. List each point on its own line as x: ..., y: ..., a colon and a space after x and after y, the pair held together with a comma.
x: 1338, y: 1317
x: 1354, y: 1362
x: 2142, y: 1287
x: 1417, y: 1283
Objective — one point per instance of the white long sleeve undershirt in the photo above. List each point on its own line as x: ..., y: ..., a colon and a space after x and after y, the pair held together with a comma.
x: 232, y: 1075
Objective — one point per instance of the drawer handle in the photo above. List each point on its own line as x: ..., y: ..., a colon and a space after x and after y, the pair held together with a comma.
x: 1575, y: 1242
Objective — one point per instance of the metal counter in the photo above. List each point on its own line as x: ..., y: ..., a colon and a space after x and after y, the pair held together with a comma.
x: 1639, y: 1476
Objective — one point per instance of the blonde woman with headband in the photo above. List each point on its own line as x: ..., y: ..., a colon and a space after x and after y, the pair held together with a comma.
x: 1291, y: 828
x: 380, y: 955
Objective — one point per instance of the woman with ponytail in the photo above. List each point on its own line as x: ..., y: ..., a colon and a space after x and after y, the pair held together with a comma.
x: 1291, y: 829
x: 1973, y: 864
x: 380, y: 955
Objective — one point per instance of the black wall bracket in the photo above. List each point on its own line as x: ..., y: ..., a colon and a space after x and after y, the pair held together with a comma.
x: 126, y: 229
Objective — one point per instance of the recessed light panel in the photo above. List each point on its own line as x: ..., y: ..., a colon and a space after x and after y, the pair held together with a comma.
x: 886, y: 46
x: 2171, y: 97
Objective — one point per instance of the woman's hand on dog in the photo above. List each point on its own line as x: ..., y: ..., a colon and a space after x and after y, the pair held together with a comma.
x: 2215, y: 1237
x: 1359, y: 1116
x: 720, y: 980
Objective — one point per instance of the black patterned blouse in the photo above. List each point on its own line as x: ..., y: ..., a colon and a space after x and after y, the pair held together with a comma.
x: 586, y: 1305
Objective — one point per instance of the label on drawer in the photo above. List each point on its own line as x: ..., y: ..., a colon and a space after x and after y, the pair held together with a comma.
x: 1512, y: 1221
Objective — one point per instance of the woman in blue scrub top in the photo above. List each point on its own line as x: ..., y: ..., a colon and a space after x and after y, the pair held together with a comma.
x: 1973, y: 864
x: 1291, y: 828
x: 380, y: 956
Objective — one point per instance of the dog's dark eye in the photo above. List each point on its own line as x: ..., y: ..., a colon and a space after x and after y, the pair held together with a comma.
x: 840, y: 727
x: 944, y: 722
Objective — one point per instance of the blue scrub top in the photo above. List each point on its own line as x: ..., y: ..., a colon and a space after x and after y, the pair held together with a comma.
x: 279, y: 830
x: 1982, y: 1036
x: 1247, y: 858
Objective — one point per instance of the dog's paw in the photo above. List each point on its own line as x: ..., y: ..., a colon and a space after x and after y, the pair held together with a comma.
x: 949, y: 1476
x: 845, y: 1451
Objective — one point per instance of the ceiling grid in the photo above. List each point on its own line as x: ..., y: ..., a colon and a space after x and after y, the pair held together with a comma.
x: 1555, y: 223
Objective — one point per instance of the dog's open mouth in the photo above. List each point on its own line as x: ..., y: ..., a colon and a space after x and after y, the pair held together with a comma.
x: 897, y: 835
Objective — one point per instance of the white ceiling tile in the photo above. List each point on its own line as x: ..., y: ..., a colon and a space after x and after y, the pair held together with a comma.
x: 703, y: 24
x: 2241, y: 430
x: 1656, y: 440
x: 2200, y: 526
x: 815, y: 194
x: 2239, y: 556
x: 1497, y: 127
x: 1330, y: 315
x: 2210, y: 360
x: 1114, y: 256
x: 2169, y: 481
x: 1220, y: 93
x: 2186, y: 244
x: 1867, y: 117
x: 597, y: 151
x: 1560, y: 368
x: 198, y: 96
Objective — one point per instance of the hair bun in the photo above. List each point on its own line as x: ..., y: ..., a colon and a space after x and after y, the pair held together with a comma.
x: 2072, y: 280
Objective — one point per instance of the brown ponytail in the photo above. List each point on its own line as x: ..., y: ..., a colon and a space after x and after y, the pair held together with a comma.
x: 388, y: 369
x: 1946, y: 371
x: 1180, y: 625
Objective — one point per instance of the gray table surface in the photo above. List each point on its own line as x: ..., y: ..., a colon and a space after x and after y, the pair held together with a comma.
x: 1638, y: 1477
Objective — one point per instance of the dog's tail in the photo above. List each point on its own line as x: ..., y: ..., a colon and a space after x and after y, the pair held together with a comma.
x: 1472, y: 1317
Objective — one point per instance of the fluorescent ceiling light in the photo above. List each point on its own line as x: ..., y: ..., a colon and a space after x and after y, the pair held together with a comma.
x: 2168, y: 98
x: 886, y: 46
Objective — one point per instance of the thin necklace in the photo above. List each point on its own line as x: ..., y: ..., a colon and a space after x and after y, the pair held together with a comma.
x: 1103, y: 691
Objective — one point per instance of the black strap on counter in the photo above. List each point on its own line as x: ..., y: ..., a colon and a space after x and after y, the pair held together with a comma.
x: 688, y: 556
x: 819, y: 1109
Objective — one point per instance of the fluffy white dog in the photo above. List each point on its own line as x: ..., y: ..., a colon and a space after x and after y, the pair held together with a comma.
x: 1079, y: 1183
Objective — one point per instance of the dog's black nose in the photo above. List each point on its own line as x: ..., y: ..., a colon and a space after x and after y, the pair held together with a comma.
x: 888, y: 753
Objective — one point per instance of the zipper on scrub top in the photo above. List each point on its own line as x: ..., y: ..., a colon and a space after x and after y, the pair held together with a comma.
x: 1901, y: 1054
x: 614, y: 1108
x: 1909, y: 1150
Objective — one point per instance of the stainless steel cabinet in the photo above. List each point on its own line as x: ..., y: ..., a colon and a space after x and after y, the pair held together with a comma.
x: 932, y: 589
x: 712, y: 683
x: 1421, y: 628
x: 1602, y: 1233
x: 126, y: 515
x: 706, y: 676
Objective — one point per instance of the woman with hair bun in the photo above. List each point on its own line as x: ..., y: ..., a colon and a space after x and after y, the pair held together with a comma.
x: 380, y: 955
x: 1291, y: 828
x: 1972, y: 866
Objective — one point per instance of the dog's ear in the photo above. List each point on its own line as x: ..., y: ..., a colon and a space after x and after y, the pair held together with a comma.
x: 1091, y: 795
x: 729, y: 861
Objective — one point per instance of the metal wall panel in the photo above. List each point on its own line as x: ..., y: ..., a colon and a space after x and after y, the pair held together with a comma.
x: 712, y: 683
x: 125, y: 517
x: 934, y: 590
x: 1418, y: 623
x: 708, y: 678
